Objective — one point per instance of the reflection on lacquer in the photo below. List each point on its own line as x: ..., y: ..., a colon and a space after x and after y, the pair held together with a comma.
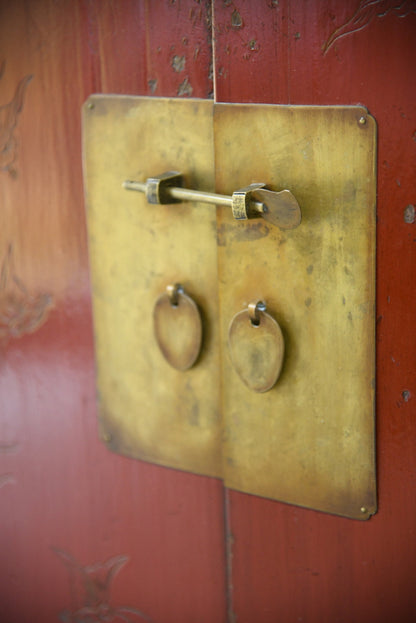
x: 20, y: 311
x: 90, y: 587
x: 8, y: 120
x: 366, y: 11
x: 8, y: 478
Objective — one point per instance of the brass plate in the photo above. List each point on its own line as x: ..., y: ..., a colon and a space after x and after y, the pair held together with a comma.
x: 148, y: 409
x: 310, y: 440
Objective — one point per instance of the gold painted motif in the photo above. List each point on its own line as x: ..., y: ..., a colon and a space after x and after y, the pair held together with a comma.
x: 21, y: 312
x: 90, y: 587
x: 365, y: 13
x: 8, y: 120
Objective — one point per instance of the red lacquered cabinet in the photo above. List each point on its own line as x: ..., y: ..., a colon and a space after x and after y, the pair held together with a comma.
x: 87, y: 535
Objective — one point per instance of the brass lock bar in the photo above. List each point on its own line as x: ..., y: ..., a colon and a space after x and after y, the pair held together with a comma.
x: 278, y: 208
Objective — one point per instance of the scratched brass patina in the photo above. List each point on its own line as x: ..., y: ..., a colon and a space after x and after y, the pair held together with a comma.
x: 256, y: 347
x: 301, y: 429
x: 310, y: 439
x: 147, y: 408
x: 177, y: 327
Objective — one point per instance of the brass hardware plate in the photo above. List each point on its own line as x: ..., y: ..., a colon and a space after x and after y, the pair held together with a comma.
x: 148, y: 409
x: 309, y: 440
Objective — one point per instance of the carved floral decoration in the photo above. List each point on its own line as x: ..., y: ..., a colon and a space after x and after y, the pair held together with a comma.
x: 20, y: 311
x: 90, y: 592
x: 366, y: 12
x: 8, y: 120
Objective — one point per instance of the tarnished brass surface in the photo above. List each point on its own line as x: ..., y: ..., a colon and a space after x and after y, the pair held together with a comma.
x: 241, y: 202
x: 279, y: 208
x: 282, y: 209
x: 309, y: 440
x: 256, y: 347
x: 178, y: 327
x: 157, y: 188
x: 148, y: 409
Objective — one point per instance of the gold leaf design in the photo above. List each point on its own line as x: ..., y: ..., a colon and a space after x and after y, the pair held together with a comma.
x: 368, y: 10
x: 90, y: 591
x: 20, y: 311
x: 8, y: 120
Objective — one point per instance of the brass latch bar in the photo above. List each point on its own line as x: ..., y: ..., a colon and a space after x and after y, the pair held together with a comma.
x: 279, y: 208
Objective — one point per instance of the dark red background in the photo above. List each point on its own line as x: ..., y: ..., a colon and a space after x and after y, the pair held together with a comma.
x: 196, y: 553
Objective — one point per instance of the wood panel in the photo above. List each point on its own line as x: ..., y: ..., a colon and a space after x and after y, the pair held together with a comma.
x: 289, y: 564
x: 77, y: 521
x: 85, y: 534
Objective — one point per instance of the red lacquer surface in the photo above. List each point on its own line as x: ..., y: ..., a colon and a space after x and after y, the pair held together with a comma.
x: 290, y: 564
x: 133, y: 540
x: 82, y: 528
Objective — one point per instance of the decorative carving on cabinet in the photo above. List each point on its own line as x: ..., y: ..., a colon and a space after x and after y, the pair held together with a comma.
x: 90, y: 587
x: 20, y: 311
x: 366, y: 12
x: 9, y: 114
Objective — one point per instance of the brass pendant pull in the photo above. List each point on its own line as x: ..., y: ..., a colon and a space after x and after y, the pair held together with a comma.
x: 256, y: 347
x: 278, y: 208
x: 178, y: 327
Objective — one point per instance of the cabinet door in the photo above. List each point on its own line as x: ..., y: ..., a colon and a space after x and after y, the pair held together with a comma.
x: 86, y: 535
x: 289, y: 564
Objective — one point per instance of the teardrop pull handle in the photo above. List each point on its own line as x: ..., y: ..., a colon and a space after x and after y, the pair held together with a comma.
x: 256, y: 346
x: 278, y: 208
x: 177, y: 327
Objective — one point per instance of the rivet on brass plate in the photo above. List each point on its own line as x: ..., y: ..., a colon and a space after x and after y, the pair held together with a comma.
x: 256, y: 347
x: 178, y: 327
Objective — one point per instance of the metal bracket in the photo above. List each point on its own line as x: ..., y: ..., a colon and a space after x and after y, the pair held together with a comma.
x: 279, y: 208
